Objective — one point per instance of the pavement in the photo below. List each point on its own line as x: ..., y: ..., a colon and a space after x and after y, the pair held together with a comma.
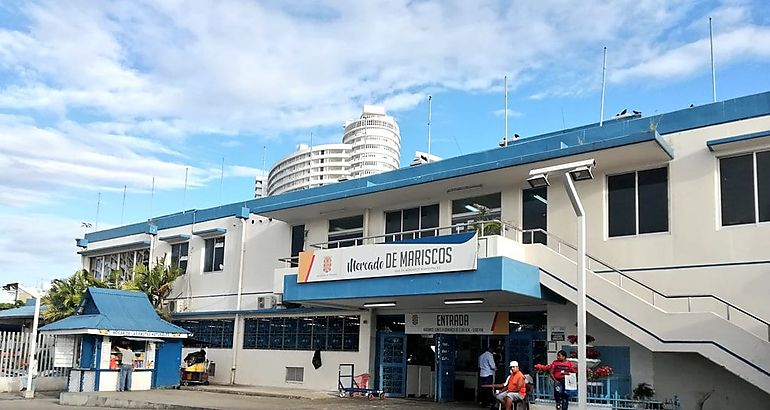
x: 223, y: 397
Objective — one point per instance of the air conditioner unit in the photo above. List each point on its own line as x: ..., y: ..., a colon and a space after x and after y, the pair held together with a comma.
x: 268, y: 301
x: 179, y: 305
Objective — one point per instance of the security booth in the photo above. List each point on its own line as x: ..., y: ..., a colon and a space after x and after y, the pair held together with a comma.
x: 106, y: 318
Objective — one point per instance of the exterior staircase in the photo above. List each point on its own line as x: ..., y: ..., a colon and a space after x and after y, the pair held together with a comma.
x: 724, y: 333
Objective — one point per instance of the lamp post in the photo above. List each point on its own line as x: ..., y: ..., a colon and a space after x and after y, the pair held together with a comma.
x: 577, y: 171
x: 31, y: 361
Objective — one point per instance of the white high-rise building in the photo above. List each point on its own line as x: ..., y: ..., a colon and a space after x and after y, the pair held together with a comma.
x: 259, y: 186
x: 375, y: 141
x: 370, y: 145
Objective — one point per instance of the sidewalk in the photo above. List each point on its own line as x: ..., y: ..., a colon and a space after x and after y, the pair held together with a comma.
x: 248, y: 397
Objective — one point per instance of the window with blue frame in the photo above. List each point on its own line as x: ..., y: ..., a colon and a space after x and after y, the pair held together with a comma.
x: 213, y: 333
x: 332, y: 333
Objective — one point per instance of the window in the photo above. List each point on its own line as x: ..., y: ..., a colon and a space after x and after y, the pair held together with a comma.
x: 215, y: 255
x: 333, y: 333
x: 341, y: 229
x: 474, y: 209
x: 208, y: 333
x: 297, y: 243
x: 744, y: 183
x: 413, y: 219
x: 534, y: 215
x: 179, y: 255
x: 638, y: 202
x: 295, y: 374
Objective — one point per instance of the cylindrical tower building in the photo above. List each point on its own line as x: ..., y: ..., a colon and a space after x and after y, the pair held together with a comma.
x: 375, y: 142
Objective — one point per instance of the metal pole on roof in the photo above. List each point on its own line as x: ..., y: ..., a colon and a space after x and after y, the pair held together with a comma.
x: 98, y: 205
x: 221, y: 178
x: 430, y: 114
x: 184, y: 196
x: 604, y: 75
x: 123, y: 207
x: 505, y: 111
x: 152, y: 195
x: 713, y: 70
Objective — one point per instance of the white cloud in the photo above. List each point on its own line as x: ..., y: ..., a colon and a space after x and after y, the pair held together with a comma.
x: 739, y: 44
x: 52, y: 256
x: 511, y: 113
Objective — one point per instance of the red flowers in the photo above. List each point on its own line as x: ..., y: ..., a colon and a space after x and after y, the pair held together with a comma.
x: 573, y: 339
x: 600, y: 372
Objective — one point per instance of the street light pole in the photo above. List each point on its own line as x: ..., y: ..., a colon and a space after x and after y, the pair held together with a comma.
x: 577, y: 206
x: 574, y: 171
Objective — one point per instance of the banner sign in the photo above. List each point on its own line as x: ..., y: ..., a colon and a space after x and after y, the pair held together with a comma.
x: 449, y: 253
x: 138, y: 333
x: 471, y: 323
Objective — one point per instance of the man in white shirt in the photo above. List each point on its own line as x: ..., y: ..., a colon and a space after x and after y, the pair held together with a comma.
x: 126, y: 366
x: 487, y: 370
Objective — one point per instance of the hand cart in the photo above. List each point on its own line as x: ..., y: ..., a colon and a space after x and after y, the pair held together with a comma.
x: 197, y: 373
x: 351, y: 385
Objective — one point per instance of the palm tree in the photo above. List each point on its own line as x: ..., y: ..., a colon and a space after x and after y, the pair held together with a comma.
x: 64, y: 296
x: 156, y: 283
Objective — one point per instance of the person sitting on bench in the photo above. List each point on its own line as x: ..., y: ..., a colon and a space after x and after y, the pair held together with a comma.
x: 514, y: 388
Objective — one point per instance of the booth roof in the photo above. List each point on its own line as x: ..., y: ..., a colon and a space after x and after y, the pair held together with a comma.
x: 110, y: 309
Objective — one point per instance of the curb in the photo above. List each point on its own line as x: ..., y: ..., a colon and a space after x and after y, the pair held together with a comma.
x: 91, y: 400
x: 254, y: 393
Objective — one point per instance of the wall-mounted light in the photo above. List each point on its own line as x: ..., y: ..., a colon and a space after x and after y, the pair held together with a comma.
x: 379, y: 304
x: 538, y: 181
x: 464, y: 188
x: 463, y: 301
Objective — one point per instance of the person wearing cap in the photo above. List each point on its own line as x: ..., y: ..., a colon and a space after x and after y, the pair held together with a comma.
x: 514, y: 388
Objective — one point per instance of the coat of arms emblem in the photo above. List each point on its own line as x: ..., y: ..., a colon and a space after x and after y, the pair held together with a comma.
x: 327, y: 265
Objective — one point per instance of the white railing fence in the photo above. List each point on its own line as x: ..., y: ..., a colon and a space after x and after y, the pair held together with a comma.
x: 14, y: 355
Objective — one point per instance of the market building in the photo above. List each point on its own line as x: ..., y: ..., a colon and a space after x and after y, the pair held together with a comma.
x: 677, y: 208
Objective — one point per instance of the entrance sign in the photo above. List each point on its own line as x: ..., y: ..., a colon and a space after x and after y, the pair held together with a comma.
x: 471, y: 323
x: 449, y: 253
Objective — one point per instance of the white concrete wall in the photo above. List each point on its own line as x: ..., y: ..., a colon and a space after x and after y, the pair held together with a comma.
x: 691, y: 377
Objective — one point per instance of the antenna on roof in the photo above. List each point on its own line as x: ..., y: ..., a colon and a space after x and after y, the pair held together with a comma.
x: 264, y: 159
x: 221, y: 178
x: 98, y: 205
x: 184, y: 196
x: 505, y: 111
x: 604, y: 74
x: 430, y: 112
x: 123, y: 208
x: 713, y: 70
x: 152, y: 195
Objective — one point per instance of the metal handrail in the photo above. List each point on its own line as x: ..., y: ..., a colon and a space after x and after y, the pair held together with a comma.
x: 622, y: 274
x: 505, y: 227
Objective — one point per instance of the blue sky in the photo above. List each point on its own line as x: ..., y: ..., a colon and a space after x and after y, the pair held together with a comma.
x: 96, y: 96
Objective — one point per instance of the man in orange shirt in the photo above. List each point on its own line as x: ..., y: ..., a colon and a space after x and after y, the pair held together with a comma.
x: 515, y: 388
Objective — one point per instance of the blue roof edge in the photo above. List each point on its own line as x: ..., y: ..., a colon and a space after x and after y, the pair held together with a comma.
x: 547, y: 146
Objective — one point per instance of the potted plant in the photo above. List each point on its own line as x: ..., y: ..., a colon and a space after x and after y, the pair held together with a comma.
x: 643, y: 391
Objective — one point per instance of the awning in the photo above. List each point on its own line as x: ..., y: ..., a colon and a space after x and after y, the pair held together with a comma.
x: 117, y: 248
x: 740, y: 142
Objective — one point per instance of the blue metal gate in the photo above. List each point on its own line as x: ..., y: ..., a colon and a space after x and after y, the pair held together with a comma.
x: 392, y: 363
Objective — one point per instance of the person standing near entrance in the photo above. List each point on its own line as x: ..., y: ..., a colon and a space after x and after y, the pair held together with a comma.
x: 126, y: 366
x: 558, y: 369
x: 487, y: 370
